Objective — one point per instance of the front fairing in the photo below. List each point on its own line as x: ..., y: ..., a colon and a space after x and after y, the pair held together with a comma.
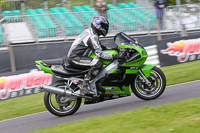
x: 137, y: 62
x: 124, y: 41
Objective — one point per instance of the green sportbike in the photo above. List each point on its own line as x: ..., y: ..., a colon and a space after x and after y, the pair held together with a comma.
x: 116, y: 79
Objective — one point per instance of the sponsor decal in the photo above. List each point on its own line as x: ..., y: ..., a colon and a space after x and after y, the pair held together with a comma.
x: 184, y: 50
x: 23, y: 84
x: 110, y: 88
x: 133, y: 68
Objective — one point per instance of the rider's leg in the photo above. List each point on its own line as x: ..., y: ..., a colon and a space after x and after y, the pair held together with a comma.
x: 94, y: 71
x: 96, y: 65
x: 86, y: 62
x: 82, y: 62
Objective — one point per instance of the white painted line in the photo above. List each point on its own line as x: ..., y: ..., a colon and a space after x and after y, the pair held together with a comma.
x: 23, y: 116
x: 184, y: 83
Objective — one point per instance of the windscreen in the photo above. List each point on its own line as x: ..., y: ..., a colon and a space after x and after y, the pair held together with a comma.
x: 124, y: 39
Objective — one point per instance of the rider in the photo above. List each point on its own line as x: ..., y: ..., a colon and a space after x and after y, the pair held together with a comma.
x: 87, y: 42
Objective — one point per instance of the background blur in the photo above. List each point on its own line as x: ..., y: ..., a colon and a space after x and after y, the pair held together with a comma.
x: 54, y: 24
x: 33, y: 30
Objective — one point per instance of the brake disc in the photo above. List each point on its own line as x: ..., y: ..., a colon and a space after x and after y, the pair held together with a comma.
x: 146, y: 88
x: 153, y: 86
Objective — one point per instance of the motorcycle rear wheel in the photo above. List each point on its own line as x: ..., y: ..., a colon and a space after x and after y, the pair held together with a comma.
x: 158, y: 81
x: 59, y: 105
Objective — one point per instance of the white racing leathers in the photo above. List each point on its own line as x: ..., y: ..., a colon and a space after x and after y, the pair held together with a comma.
x: 86, y: 43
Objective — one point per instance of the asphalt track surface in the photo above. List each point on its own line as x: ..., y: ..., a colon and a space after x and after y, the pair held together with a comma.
x: 173, y: 94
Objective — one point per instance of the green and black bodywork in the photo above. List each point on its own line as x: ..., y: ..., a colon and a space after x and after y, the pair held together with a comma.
x: 118, y: 77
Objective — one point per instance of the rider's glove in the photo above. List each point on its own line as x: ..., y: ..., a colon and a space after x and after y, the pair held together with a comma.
x: 120, y: 56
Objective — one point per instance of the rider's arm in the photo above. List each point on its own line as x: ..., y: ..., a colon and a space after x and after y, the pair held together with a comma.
x: 94, y: 44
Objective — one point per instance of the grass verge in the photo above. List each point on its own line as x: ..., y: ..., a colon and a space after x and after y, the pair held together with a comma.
x: 181, y: 117
x: 181, y: 73
x: 34, y: 103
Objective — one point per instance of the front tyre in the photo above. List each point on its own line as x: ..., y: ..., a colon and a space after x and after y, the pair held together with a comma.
x: 145, y: 92
x: 62, y: 105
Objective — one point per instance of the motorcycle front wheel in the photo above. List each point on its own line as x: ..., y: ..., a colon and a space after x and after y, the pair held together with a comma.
x: 61, y: 105
x: 145, y: 92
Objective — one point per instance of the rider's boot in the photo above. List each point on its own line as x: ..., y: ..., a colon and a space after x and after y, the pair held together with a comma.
x: 93, y: 72
x: 100, y: 97
x: 86, y: 85
x: 88, y: 79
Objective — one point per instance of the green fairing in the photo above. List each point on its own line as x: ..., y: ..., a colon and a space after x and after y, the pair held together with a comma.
x: 44, y: 68
x: 138, y: 62
x: 146, y: 69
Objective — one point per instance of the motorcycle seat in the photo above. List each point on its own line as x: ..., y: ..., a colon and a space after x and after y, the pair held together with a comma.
x: 68, y: 69
x: 54, y: 61
x: 72, y: 69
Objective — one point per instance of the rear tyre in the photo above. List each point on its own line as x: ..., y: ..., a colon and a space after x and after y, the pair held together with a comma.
x: 158, y: 84
x: 59, y: 105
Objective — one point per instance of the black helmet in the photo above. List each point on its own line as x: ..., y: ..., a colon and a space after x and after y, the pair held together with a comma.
x: 101, y: 25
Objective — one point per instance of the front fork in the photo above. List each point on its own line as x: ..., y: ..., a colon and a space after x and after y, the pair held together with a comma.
x: 145, y: 73
x: 144, y: 78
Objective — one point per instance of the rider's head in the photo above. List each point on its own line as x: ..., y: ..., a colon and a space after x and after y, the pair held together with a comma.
x: 101, y: 25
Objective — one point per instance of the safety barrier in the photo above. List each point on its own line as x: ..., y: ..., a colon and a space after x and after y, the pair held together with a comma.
x: 152, y: 55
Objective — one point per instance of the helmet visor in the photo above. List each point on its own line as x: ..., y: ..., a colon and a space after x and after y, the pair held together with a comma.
x: 104, y: 28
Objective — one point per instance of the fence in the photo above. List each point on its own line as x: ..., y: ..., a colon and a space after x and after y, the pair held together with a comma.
x: 34, y: 4
x: 47, y: 25
x: 61, y: 23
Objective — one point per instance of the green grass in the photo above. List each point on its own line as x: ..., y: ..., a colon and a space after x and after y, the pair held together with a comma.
x: 34, y: 103
x: 181, y: 117
x: 21, y: 106
x: 182, y: 73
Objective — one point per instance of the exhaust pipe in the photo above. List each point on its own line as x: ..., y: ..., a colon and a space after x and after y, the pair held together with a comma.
x: 61, y: 91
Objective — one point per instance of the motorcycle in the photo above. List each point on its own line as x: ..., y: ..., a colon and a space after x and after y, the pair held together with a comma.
x: 116, y: 79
